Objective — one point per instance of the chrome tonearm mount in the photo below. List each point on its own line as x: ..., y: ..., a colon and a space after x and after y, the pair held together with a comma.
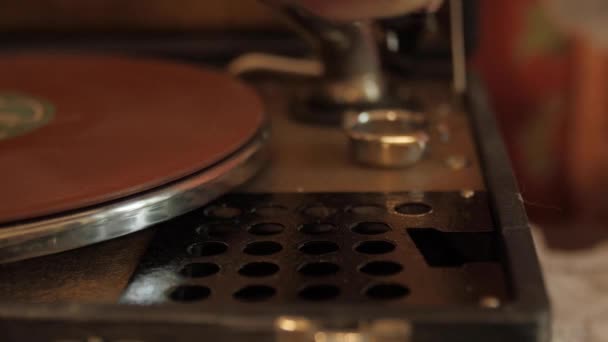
x: 352, y: 72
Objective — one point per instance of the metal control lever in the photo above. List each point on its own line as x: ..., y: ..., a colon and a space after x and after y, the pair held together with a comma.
x: 352, y: 71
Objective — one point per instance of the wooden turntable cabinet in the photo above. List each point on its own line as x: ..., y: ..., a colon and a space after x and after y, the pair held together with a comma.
x: 150, y: 195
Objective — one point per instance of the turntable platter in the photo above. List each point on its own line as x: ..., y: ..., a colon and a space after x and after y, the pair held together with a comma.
x: 79, y: 131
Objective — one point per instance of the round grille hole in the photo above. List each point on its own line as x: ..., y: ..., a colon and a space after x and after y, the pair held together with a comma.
x: 388, y: 291
x: 217, y: 229
x: 199, y: 270
x: 270, y: 210
x: 381, y: 268
x: 319, y: 211
x: 223, y: 212
x: 319, y: 292
x: 317, y: 228
x: 413, y: 208
x: 318, y: 247
x: 263, y: 248
x: 371, y: 228
x: 375, y: 247
x: 255, y: 293
x: 259, y: 269
x: 189, y: 293
x: 266, y: 228
x: 319, y: 269
x: 207, y: 248
x: 365, y: 210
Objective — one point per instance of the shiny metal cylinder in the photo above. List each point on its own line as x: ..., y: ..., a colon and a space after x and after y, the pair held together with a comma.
x: 387, y: 138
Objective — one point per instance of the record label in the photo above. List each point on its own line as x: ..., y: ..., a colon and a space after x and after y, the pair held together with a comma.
x: 21, y: 114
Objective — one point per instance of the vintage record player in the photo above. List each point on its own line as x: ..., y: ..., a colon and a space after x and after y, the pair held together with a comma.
x: 227, y: 186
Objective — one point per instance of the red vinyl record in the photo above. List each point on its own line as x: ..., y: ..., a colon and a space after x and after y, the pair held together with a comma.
x: 96, y: 147
x: 83, y: 130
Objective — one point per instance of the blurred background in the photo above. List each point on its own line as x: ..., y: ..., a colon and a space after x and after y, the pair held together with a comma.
x: 546, y: 66
x: 544, y: 62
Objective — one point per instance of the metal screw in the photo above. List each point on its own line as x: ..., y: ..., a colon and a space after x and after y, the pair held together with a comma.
x: 467, y: 194
x: 490, y: 302
x: 392, y: 41
x: 293, y: 324
x: 294, y: 329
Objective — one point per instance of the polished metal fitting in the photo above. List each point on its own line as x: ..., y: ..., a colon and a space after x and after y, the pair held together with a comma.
x: 352, y: 72
x: 390, y: 138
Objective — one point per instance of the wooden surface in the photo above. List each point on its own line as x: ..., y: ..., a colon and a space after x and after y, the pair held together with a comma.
x: 304, y: 157
x: 93, y: 274
x: 309, y: 158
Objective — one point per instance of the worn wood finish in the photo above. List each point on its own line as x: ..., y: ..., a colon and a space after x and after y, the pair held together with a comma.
x: 93, y: 274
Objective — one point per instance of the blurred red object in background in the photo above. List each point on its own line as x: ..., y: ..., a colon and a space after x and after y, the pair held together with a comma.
x: 549, y: 91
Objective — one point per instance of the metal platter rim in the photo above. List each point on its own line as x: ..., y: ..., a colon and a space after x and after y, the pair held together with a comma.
x: 32, y: 238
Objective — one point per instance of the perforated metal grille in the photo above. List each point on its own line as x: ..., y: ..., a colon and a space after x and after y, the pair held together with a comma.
x: 406, y: 248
